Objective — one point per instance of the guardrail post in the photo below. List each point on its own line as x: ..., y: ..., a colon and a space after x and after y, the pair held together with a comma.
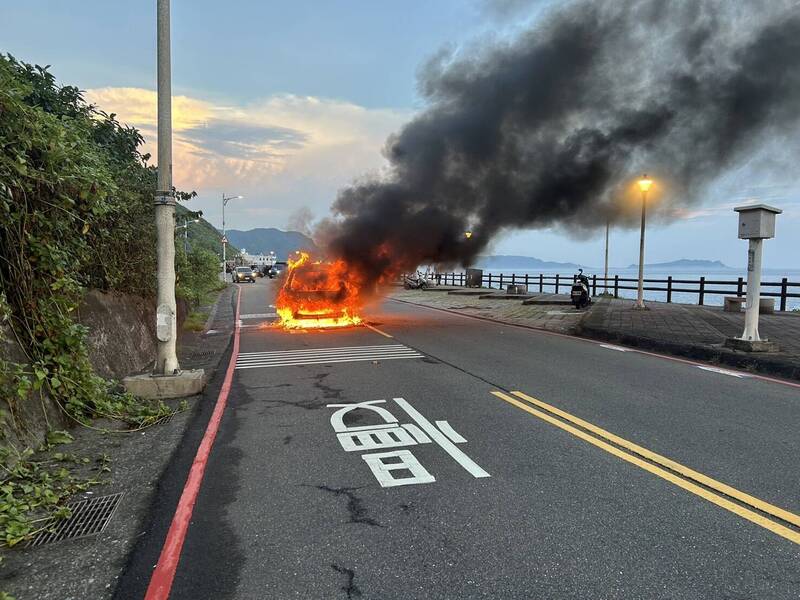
x: 557, y: 276
x: 702, y: 293
x: 541, y: 283
x: 594, y: 285
x: 669, y: 289
x: 739, y: 286
x: 526, y: 282
x: 784, y: 290
x: 501, y: 281
x: 513, y: 278
x: 616, y: 286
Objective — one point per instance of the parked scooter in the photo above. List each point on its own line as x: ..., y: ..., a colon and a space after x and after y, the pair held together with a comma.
x: 580, y: 290
x: 415, y: 282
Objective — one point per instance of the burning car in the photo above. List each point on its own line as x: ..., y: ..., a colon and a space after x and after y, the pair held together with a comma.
x: 318, y: 294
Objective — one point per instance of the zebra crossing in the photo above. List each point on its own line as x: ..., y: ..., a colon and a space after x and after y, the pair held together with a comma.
x: 317, y: 356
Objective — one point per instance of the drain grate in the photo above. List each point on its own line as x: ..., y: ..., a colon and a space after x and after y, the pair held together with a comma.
x: 89, y: 517
x: 201, y: 354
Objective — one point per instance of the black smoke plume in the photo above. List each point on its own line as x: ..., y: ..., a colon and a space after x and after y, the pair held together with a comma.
x: 553, y: 127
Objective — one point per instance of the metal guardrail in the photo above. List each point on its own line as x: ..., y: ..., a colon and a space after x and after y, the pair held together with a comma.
x: 785, y: 288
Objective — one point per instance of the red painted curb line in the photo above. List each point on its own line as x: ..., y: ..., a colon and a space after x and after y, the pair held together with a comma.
x: 164, y: 573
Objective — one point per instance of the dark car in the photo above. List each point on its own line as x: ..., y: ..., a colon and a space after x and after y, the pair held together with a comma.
x: 242, y: 274
x: 276, y: 269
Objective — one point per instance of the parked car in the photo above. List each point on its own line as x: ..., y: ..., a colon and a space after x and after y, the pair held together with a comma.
x: 276, y: 269
x: 242, y: 274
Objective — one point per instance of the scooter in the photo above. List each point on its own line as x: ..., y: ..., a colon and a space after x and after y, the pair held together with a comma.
x: 580, y: 290
x: 415, y: 282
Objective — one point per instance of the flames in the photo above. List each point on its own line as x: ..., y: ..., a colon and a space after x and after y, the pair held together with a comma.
x: 317, y: 294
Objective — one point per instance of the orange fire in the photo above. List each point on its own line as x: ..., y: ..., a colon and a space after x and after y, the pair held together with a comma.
x: 318, y: 295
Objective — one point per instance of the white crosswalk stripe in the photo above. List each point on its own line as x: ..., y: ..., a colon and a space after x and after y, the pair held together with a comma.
x: 316, y: 356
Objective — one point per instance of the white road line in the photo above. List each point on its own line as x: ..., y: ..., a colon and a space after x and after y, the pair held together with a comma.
x: 262, y: 361
x: 437, y: 436
x: 316, y: 356
x: 617, y: 348
x: 723, y: 372
x: 376, y: 330
x: 322, y: 354
x: 318, y: 349
x: 328, y: 361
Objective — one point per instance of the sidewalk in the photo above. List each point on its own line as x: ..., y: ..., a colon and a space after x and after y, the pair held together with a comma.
x: 696, y: 332
x: 555, y: 313
x: 90, y: 567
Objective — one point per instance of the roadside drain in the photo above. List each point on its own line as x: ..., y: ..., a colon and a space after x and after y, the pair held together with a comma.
x: 201, y: 354
x: 89, y: 517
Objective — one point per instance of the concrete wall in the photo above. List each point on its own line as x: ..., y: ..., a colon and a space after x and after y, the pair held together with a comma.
x: 121, y: 342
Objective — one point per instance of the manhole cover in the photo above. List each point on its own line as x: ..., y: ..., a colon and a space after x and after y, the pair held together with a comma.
x: 89, y: 517
x: 201, y: 354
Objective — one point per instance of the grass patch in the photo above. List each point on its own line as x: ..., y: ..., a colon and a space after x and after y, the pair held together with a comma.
x: 195, y: 321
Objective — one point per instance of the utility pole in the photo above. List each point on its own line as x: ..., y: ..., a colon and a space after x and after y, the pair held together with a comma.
x: 166, y: 327
x: 605, y: 276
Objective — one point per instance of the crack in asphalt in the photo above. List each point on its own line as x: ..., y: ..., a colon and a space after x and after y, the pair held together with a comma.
x: 355, y: 506
x: 328, y: 392
x: 351, y: 589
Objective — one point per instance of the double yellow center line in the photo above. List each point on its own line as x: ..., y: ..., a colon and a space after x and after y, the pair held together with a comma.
x: 663, y: 467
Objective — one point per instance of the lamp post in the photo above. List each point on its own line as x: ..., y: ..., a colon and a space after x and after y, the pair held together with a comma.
x: 225, y: 200
x: 645, y: 183
x: 605, y: 275
x: 185, y: 228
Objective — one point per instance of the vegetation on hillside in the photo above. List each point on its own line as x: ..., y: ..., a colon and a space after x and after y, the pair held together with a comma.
x: 76, y: 207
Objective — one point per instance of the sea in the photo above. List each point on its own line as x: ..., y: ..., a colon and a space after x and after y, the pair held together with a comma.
x: 711, y: 299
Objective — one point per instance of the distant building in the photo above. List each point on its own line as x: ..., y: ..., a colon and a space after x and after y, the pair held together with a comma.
x: 262, y: 260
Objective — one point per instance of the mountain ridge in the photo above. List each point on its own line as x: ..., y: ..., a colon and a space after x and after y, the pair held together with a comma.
x: 263, y: 240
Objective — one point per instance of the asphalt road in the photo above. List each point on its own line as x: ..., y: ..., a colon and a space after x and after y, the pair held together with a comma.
x: 508, y: 498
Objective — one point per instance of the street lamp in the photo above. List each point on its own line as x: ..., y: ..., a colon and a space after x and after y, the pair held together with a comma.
x: 225, y: 200
x: 185, y: 228
x: 467, y: 234
x: 645, y: 183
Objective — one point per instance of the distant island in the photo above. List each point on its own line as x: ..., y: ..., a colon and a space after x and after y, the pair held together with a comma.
x: 687, y: 264
x: 511, y: 261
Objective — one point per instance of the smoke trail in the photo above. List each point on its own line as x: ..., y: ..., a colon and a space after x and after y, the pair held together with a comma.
x: 549, y: 129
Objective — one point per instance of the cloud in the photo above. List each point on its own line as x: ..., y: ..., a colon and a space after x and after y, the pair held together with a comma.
x: 281, y: 151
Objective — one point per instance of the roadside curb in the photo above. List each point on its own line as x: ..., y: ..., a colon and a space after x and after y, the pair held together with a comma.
x: 767, y: 365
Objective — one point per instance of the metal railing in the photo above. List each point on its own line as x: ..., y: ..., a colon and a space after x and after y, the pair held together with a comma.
x: 783, y: 289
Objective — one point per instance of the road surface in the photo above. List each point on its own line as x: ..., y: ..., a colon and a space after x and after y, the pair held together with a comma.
x: 492, y: 462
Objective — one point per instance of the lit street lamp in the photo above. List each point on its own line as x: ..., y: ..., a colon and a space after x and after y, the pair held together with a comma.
x: 225, y: 200
x: 645, y: 183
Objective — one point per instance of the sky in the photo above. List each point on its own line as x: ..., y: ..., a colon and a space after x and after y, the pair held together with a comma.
x: 285, y: 103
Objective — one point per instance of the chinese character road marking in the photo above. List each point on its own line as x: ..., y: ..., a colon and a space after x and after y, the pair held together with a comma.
x: 408, y: 462
x: 390, y: 434
x: 437, y: 436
